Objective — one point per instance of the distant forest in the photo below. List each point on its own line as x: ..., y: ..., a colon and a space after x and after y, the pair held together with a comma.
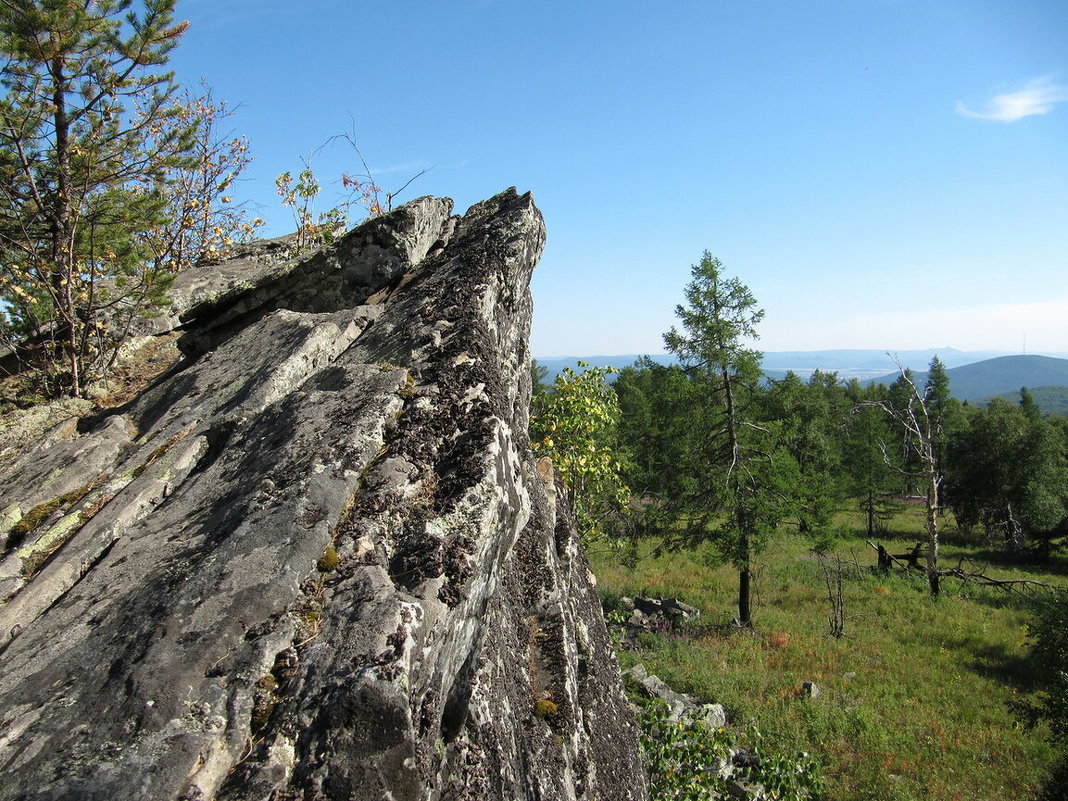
x: 977, y: 382
x: 1002, y: 461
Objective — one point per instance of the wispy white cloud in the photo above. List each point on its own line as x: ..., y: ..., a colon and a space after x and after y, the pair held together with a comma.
x: 1037, y: 96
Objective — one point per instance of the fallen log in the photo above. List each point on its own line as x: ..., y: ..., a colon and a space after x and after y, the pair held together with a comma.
x: 962, y: 572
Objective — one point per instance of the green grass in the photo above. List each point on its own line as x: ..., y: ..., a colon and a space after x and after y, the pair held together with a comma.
x: 926, y: 715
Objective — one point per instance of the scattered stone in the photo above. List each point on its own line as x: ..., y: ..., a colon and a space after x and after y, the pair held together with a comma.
x: 679, y: 704
x: 668, y: 607
x: 809, y: 689
x: 743, y: 759
x: 712, y: 715
x: 655, y: 614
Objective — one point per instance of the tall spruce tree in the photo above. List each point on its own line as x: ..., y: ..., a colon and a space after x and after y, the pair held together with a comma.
x: 738, y: 494
x: 81, y: 180
x: 947, y: 416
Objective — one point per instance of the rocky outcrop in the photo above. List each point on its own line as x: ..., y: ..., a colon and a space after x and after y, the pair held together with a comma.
x: 316, y: 559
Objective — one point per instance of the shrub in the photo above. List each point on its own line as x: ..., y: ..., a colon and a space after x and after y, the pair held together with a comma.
x: 688, y: 760
x: 1048, y: 634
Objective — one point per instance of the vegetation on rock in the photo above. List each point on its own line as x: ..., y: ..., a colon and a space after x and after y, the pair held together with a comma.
x: 110, y: 180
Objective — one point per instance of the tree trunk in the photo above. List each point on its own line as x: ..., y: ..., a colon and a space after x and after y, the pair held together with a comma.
x: 932, y: 524
x: 745, y: 615
x: 885, y: 560
x: 63, y: 277
x: 871, y: 514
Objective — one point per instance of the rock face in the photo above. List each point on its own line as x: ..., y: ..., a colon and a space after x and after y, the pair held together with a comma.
x: 315, y: 560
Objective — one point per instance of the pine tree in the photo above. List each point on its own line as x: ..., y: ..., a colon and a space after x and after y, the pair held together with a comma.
x: 81, y: 180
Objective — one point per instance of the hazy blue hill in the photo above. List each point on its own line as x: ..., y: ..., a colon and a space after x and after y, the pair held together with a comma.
x: 854, y: 361
x: 974, y: 375
x: 1004, y: 375
x: 861, y: 364
x: 1051, y: 400
x: 555, y: 364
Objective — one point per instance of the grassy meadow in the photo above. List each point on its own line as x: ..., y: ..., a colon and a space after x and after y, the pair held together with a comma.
x: 915, y: 697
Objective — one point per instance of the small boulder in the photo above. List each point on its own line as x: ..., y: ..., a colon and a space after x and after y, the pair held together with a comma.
x: 712, y: 715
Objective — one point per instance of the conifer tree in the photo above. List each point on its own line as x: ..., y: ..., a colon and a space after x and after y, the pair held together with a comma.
x: 945, y: 410
x: 872, y: 470
x: 740, y: 476
x: 81, y: 179
x: 803, y: 417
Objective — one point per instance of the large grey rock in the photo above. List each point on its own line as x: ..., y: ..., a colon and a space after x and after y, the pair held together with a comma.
x: 318, y: 562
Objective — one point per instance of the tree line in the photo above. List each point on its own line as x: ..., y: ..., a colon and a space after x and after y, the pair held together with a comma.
x: 712, y: 452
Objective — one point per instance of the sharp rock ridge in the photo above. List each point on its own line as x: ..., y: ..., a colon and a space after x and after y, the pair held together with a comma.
x: 314, y: 560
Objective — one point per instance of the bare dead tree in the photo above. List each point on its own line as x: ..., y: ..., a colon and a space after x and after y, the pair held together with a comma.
x: 972, y: 573
x: 832, y: 576
x: 965, y: 571
x: 916, y: 422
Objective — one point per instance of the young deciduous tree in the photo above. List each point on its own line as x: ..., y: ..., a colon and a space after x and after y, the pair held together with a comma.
x: 360, y: 190
x: 742, y: 479
x: 576, y: 428
x: 81, y: 179
x: 201, y: 219
x: 312, y: 229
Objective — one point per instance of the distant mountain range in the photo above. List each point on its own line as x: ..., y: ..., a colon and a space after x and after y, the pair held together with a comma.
x: 860, y: 364
x: 974, y: 376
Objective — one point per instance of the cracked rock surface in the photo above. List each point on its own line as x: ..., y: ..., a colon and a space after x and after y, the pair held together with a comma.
x: 315, y: 560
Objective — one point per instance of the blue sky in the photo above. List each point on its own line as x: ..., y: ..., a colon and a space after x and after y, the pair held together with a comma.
x: 881, y: 173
